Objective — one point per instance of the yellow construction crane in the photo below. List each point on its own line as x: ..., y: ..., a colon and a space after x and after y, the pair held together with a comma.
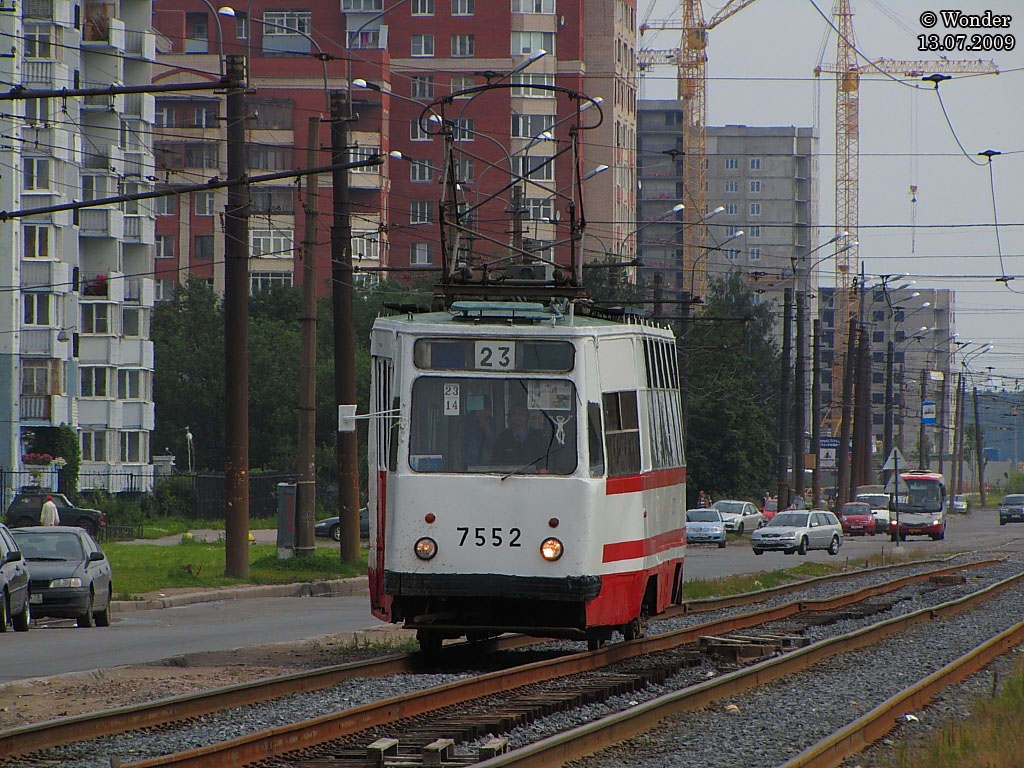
x: 691, y: 63
x: 848, y: 74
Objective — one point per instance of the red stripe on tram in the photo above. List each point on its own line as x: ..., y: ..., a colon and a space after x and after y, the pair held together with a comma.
x: 645, y: 481
x: 630, y: 550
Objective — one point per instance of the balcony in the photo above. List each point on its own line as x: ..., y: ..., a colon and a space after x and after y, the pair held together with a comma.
x: 141, y: 44
x: 51, y: 410
x: 39, y: 341
x: 141, y: 164
x: 46, y: 74
x: 140, y: 229
x: 141, y: 106
x: 101, y: 30
x: 106, y: 157
x: 139, y: 290
x: 104, y: 102
x: 39, y: 273
x: 101, y: 222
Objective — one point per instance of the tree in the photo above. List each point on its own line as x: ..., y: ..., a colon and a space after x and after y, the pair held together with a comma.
x: 733, y: 394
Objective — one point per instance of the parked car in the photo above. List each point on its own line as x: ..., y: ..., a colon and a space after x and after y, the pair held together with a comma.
x: 15, y: 605
x: 960, y: 504
x: 71, y: 576
x: 1011, y: 509
x: 857, y: 518
x: 28, y: 503
x: 331, y: 527
x: 879, y: 503
x: 799, y: 531
x: 739, y: 516
x: 770, y: 507
x: 705, y: 526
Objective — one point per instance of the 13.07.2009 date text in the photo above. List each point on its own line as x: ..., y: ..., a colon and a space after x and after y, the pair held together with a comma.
x: 965, y: 42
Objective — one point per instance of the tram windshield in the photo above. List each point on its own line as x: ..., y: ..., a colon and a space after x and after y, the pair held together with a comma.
x: 507, y: 426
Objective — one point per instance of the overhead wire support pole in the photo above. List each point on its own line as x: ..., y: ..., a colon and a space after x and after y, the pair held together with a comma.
x: 236, y: 333
x: 347, y: 447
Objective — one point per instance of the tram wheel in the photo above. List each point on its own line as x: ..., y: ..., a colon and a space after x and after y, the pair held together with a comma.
x: 595, y: 643
x: 637, y: 627
x: 430, y: 642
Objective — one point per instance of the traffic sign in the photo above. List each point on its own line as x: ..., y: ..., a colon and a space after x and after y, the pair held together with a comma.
x: 897, y: 485
x: 828, y: 450
x: 895, y: 458
x: 928, y: 412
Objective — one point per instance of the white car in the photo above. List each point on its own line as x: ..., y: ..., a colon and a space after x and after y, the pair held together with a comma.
x: 960, y: 504
x: 799, y: 531
x: 739, y: 516
x: 879, y: 509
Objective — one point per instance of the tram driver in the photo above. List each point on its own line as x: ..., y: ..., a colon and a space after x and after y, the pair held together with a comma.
x: 520, y: 444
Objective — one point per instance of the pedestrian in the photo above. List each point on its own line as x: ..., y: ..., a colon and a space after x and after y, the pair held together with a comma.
x: 703, y: 500
x: 48, y: 515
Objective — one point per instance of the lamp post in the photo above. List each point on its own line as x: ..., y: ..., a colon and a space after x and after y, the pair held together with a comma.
x: 220, y: 35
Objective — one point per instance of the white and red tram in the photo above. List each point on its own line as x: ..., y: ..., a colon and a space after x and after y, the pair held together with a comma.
x: 526, y: 472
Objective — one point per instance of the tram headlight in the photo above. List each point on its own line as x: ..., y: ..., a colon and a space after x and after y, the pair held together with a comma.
x: 426, y: 548
x: 551, y: 549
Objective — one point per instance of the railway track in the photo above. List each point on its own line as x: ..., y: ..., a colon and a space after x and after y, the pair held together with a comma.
x: 530, y: 704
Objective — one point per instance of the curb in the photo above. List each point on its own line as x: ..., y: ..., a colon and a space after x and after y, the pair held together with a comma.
x: 358, y: 585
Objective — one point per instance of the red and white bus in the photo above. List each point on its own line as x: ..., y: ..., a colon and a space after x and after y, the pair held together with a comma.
x: 526, y: 472
x: 921, y: 506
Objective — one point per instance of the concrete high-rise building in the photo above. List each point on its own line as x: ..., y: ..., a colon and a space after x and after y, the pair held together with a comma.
x: 74, y: 335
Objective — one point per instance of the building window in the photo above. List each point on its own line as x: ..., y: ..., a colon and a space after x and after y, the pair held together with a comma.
x: 731, y: 209
x: 878, y: 357
x: 755, y: 254
x: 877, y: 377
x: 36, y: 308
x: 463, y: 46
x: 754, y: 231
x: 94, y: 446
x: 878, y: 337
x: 361, y: 5
x: 203, y: 247
x: 755, y: 163
x: 878, y: 315
x: 731, y: 230
x: 422, y: 45
x: 368, y: 38
x: 731, y: 164
x: 264, y: 281
x: 420, y: 212
x: 540, y: 208
x: 202, y: 202
x: 731, y: 186
x: 524, y: 82
x: 164, y: 116
x: 465, y: 170
x: 755, y: 209
x: 531, y: 126
x: 205, y: 117
x: 731, y: 253
x: 422, y: 87
x: 132, y: 444
x: 38, y: 42
x: 264, y: 199
x: 422, y: 7
x: 462, y: 128
x: 270, y: 243
x: 35, y: 241
x: 271, y: 113
x: 899, y: 335
x: 37, y: 111
x: 533, y: 6
x: 94, y: 381
x: 268, y: 157
x: 294, y: 23
x: 201, y: 154
x: 463, y: 7
x: 462, y: 83
x: 526, y: 43
x: 131, y: 321
x: 416, y: 132
x: 420, y: 253
x: 362, y: 154
x: 166, y: 205
x: 95, y: 318
x: 165, y: 247
x: 537, y: 168
x: 421, y: 170
x: 755, y: 187
x: 131, y: 384
x: 163, y: 288
x: 365, y: 245
x: 35, y: 173
x: 241, y: 25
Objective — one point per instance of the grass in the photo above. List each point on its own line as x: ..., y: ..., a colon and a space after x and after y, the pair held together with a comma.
x: 141, y: 568
x: 992, y: 737
x: 157, y: 528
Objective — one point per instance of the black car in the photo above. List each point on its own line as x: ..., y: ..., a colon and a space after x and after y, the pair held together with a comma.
x: 71, y: 576
x: 27, y: 505
x: 1011, y: 509
x: 14, y: 585
x: 331, y: 527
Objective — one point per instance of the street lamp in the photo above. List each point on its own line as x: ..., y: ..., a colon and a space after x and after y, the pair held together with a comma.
x: 220, y: 34
x: 709, y: 249
x: 228, y: 11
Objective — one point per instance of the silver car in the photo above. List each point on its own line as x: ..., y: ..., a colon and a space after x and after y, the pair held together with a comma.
x: 798, y: 531
x: 739, y: 516
x: 705, y: 526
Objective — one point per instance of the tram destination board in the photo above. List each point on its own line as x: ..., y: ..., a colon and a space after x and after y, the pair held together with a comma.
x: 497, y: 355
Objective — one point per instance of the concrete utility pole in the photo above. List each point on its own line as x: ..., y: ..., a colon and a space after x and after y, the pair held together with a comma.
x: 305, y: 487
x: 236, y: 333
x: 347, y: 451
x: 887, y: 428
x: 816, y: 413
x: 799, y: 403
x: 978, y: 449
x: 941, y: 420
x: 922, y: 447
x: 785, y: 392
x: 958, y: 405
x: 846, y: 416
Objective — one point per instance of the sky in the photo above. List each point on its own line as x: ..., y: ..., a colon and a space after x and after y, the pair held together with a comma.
x: 760, y: 72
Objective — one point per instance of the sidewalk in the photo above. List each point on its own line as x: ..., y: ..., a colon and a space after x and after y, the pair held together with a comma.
x: 170, y: 598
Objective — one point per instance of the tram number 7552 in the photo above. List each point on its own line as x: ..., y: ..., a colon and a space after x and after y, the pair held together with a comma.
x: 496, y: 538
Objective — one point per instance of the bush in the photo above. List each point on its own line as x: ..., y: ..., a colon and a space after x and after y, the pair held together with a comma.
x: 174, y: 497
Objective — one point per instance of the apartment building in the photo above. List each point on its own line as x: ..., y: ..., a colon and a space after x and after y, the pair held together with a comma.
x: 74, y: 334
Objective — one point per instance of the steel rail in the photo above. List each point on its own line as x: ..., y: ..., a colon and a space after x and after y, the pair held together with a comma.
x: 594, y: 736
x: 832, y: 750
x: 30, y: 738
x: 263, y: 745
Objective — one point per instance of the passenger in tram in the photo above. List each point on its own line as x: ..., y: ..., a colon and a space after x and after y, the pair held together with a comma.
x: 519, y: 444
x: 479, y: 432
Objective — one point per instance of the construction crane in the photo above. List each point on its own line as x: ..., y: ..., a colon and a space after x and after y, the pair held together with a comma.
x: 848, y: 75
x: 691, y: 63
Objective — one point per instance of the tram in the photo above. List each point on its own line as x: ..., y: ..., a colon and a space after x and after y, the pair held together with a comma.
x: 526, y: 472
x: 920, y: 506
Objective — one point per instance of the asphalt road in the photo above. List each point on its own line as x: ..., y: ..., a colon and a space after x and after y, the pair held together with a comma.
x: 146, y: 636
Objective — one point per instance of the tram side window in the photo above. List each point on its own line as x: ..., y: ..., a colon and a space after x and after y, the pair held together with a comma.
x: 622, y: 433
x: 594, y: 440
